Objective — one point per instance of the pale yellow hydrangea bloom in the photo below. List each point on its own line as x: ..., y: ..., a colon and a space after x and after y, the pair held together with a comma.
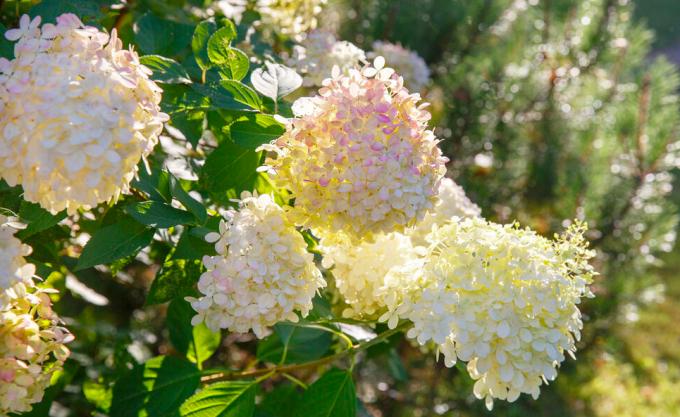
x: 366, y: 272
x: 359, y: 159
x: 78, y: 114
x: 503, y: 299
x: 319, y: 52
x: 262, y: 273
x: 407, y: 63
x: 452, y: 203
x: 13, y: 266
x: 290, y: 17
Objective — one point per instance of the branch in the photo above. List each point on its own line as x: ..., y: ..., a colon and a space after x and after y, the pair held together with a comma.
x: 285, y: 369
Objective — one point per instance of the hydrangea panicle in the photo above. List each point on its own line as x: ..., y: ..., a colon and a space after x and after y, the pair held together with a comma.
x: 290, y: 17
x: 319, y: 52
x: 502, y: 299
x: 12, y: 263
x: 262, y: 273
x: 406, y: 62
x: 361, y: 159
x: 78, y: 114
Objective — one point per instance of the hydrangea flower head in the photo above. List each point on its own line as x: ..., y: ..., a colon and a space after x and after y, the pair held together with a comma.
x: 452, y: 203
x: 367, y: 273
x: 78, y: 114
x: 13, y: 266
x: 290, y: 17
x: 360, y: 159
x: 32, y: 346
x: 406, y: 62
x: 262, y: 273
x: 320, y: 52
x: 502, y: 299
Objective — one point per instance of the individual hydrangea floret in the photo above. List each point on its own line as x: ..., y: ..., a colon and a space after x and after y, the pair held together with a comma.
x: 262, y: 273
x: 78, y: 114
x: 320, y: 52
x: 290, y: 17
x: 32, y: 344
x: 367, y: 273
x: 13, y: 266
x: 407, y: 63
x: 360, y: 158
x: 502, y: 299
x: 452, y: 203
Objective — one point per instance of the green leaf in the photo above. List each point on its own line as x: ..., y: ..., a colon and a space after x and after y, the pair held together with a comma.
x: 242, y: 93
x: 155, y: 389
x: 220, y: 98
x: 165, y: 70
x: 6, y: 47
x: 191, y: 204
x: 189, y: 124
x: 236, y: 66
x: 192, y: 247
x: 275, y: 80
x: 199, y: 42
x: 219, y: 44
x: 333, y: 395
x: 37, y: 219
x: 156, y: 185
x: 198, y: 343
x: 297, y: 343
x: 254, y: 130
x: 158, y: 214
x: 176, y: 278
x: 223, y: 399
x: 230, y: 166
x: 98, y: 395
x: 114, y: 242
x: 280, y: 402
x: 158, y: 36
x: 86, y: 10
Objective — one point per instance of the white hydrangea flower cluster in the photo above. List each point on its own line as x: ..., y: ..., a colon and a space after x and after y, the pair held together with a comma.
x: 366, y: 273
x: 453, y: 202
x: 78, y: 114
x: 501, y: 298
x: 290, y: 17
x: 32, y: 342
x: 12, y: 263
x: 407, y: 63
x: 262, y: 273
x: 361, y: 159
x: 320, y: 52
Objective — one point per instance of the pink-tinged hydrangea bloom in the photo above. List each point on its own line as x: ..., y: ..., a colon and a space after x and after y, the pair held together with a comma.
x: 78, y: 114
x: 406, y: 62
x: 500, y: 298
x: 32, y: 346
x: 316, y: 56
x: 452, y: 203
x: 262, y: 273
x: 360, y: 159
x: 13, y: 266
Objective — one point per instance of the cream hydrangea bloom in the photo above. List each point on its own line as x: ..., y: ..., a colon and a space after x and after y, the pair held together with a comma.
x: 368, y: 272
x: 452, y: 203
x: 360, y: 159
x: 503, y: 299
x: 13, y: 266
x: 407, y: 63
x: 32, y: 347
x: 316, y: 56
x: 79, y: 112
x: 262, y: 273
x: 290, y: 17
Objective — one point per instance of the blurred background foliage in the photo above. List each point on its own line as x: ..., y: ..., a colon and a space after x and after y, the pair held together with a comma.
x: 549, y: 110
